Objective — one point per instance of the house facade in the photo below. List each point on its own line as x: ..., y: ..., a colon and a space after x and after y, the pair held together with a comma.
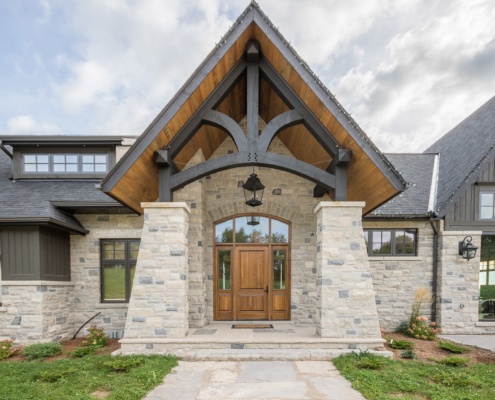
x: 153, y: 236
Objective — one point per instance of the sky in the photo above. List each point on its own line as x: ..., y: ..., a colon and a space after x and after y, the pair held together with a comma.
x: 408, y: 71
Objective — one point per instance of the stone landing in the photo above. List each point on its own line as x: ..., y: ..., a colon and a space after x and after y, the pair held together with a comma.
x: 286, y: 341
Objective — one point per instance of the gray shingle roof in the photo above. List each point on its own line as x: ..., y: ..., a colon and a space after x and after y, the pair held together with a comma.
x: 23, y: 199
x: 462, y: 152
x: 417, y: 170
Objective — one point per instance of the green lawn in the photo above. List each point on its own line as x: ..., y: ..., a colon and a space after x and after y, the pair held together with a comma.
x: 412, y: 380
x: 20, y: 380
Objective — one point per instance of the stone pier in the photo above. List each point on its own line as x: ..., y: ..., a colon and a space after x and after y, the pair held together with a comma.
x: 345, y: 298
x: 158, y: 307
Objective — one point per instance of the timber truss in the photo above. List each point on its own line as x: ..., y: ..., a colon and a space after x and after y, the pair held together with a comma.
x: 252, y: 149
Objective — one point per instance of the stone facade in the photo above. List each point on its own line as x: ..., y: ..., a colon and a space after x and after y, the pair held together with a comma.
x: 396, y: 279
x: 159, y: 307
x: 345, y: 298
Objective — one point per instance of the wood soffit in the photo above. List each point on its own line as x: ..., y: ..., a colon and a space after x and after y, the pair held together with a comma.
x: 370, y: 176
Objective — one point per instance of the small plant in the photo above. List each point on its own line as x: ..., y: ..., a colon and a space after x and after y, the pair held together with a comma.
x: 53, y: 376
x: 454, y: 361
x: 408, y: 354
x: 452, y: 347
x: 370, y: 363
x: 454, y: 378
x: 82, y: 351
x: 362, y: 354
x: 42, y: 350
x: 96, y: 337
x: 418, y: 325
x: 7, y: 349
x: 401, y: 344
x: 124, y: 364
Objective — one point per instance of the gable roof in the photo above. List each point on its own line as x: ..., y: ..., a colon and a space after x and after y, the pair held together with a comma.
x: 463, y: 152
x: 417, y: 201
x: 371, y: 177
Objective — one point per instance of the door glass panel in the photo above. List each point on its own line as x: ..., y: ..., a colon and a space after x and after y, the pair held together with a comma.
x: 280, y: 232
x: 251, y: 234
x: 279, y: 269
x: 224, y: 277
x: 223, y: 231
x: 114, y: 282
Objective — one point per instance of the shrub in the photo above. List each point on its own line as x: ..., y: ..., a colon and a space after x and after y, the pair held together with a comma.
x: 369, y: 363
x: 124, y: 364
x: 455, y: 361
x: 452, y: 347
x: 422, y: 330
x: 408, y: 354
x: 53, y: 376
x: 454, y: 378
x: 96, y: 337
x: 42, y: 350
x: 401, y: 344
x: 7, y: 349
x: 82, y: 351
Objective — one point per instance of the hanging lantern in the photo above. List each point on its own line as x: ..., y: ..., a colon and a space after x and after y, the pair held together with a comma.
x: 253, y: 191
x: 253, y: 220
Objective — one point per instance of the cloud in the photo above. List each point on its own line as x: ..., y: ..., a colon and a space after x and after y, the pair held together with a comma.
x: 26, y: 124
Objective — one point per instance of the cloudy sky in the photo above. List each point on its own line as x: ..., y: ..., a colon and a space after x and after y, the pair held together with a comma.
x: 407, y: 70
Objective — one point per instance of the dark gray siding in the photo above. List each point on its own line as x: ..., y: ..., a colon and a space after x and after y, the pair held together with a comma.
x: 34, y: 253
x: 54, y: 255
x: 464, y: 215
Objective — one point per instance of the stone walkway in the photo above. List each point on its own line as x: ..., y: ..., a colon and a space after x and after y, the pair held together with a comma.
x: 298, y: 380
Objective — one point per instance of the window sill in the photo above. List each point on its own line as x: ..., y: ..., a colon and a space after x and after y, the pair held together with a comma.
x: 37, y: 283
x: 395, y: 258
x: 485, y: 323
x: 102, y: 306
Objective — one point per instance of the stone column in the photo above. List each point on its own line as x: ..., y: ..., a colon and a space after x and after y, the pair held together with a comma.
x: 345, y: 298
x: 158, y: 307
x: 458, y: 284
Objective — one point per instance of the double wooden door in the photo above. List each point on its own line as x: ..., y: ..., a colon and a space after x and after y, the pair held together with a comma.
x: 252, y: 283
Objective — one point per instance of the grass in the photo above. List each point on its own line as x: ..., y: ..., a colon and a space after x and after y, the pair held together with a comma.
x: 410, y: 380
x: 76, y: 379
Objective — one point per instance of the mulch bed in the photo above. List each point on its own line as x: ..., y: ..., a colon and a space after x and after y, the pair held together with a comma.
x: 426, y: 350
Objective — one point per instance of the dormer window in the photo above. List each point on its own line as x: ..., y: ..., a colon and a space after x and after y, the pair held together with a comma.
x: 65, y: 164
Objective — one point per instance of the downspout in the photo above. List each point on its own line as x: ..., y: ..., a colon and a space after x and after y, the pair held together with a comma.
x: 434, y: 283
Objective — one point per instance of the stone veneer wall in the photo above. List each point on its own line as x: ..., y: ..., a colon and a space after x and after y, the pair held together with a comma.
x: 458, y: 282
x: 36, y: 311
x: 286, y: 196
x: 86, y: 270
x: 396, y: 279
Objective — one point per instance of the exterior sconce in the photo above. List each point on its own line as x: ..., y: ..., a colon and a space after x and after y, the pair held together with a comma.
x: 466, y: 249
x: 253, y: 191
x: 253, y: 220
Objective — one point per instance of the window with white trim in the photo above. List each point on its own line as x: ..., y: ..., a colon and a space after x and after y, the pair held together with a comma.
x: 487, y: 205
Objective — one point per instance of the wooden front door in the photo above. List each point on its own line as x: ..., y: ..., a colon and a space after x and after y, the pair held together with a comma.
x: 251, y: 283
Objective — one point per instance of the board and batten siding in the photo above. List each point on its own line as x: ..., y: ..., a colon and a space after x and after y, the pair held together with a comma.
x: 465, y: 214
x: 34, y: 253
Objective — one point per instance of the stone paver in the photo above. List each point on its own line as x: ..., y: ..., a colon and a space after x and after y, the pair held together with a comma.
x: 256, y: 380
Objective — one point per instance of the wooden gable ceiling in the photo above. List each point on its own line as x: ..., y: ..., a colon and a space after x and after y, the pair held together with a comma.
x: 135, y: 178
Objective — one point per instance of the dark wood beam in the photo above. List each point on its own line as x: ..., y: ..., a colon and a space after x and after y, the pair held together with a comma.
x: 285, y: 92
x: 253, y: 97
x: 277, y: 124
x: 215, y: 98
x: 243, y: 159
x: 228, y: 125
x: 338, y: 167
x: 165, y: 169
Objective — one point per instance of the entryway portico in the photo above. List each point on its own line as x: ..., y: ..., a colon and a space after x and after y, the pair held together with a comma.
x: 252, y: 105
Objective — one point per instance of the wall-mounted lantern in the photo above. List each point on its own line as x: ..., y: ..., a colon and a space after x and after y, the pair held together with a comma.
x: 466, y: 249
x: 253, y: 191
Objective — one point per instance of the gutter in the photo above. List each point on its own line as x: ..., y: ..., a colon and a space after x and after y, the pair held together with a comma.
x: 42, y: 221
x: 5, y: 150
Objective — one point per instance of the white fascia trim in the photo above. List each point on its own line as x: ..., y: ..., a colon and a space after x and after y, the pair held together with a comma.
x: 434, y: 184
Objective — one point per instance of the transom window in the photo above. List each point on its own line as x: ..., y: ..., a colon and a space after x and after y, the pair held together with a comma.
x: 118, y: 265
x: 252, y: 229
x: 65, y: 163
x: 487, y: 205
x: 390, y: 242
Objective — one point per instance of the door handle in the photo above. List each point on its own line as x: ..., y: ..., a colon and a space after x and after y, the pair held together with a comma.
x: 266, y: 290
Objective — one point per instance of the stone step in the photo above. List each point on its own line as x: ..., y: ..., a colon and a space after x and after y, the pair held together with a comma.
x: 261, y: 354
